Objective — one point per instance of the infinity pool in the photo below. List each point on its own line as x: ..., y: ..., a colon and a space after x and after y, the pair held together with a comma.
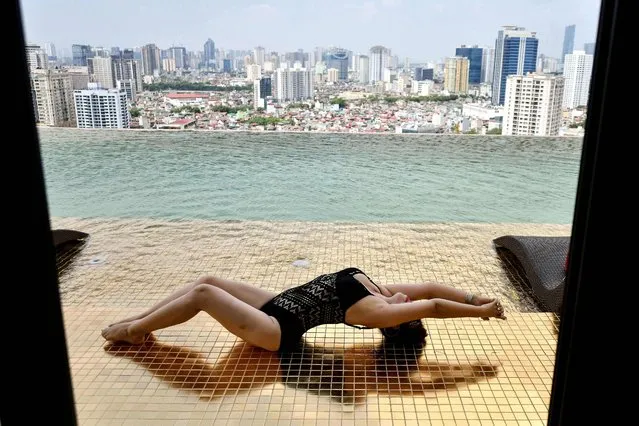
x: 309, y: 176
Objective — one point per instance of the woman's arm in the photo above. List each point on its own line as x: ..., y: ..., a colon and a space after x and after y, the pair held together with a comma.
x: 436, y: 291
x: 379, y: 314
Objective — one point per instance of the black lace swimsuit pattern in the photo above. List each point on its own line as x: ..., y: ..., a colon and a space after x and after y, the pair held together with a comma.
x: 324, y: 300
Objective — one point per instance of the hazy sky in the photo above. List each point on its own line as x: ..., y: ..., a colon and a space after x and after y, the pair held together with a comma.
x: 418, y: 29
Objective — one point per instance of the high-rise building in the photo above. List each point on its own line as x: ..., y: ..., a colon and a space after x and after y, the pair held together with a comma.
x: 125, y: 68
x: 79, y: 77
x: 101, y: 71
x: 475, y: 55
x: 547, y: 65
x: 515, y: 53
x: 53, y: 97
x: 332, y: 75
x: 379, y: 60
x: 101, y: 52
x: 338, y: 59
x: 589, y: 48
x: 422, y: 74
x: 178, y: 54
x: 80, y: 53
x: 456, y: 75
x: 226, y: 65
x: 98, y: 108
x: 487, y: 65
x: 168, y: 65
x: 259, y: 54
x: 37, y: 58
x: 533, y: 105
x: 293, y: 84
x: 151, y: 63
x: 569, y: 42
x: 49, y: 48
x: 364, y: 72
x: 208, y: 57
x: 577, y: 73
x: 261, y: 90
x: 253, y: 72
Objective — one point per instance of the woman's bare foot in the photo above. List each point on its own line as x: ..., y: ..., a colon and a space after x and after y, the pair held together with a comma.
x: 494, y: 310
x: 120, y: 333
x: 482, y: 300
x: 129, y: 319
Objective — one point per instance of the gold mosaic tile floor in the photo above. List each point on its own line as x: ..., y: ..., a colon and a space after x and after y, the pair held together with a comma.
x: 471, y: 372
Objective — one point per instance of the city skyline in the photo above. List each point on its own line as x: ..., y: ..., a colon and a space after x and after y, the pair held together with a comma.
x: 411, y: 29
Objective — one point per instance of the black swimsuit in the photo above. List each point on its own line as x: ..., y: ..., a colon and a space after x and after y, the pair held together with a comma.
x: 324, y: 300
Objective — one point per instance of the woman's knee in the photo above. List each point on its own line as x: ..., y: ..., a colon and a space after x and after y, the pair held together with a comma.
x: 206, y: 279
x: 201, y: 293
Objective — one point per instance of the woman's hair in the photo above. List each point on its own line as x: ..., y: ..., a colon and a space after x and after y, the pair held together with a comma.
x: 407, y: 333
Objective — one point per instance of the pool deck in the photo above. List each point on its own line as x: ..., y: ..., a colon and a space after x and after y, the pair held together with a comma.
x: 471, y: 372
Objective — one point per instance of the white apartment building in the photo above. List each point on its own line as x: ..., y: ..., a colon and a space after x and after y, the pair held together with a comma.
x: 364, y: 72
x: 421, y: 88
x: 101, y: 71
x: 98, y: 108
x: 456, y: 75
x: 52, y: 94
x: 379, y: 60
x: 332, y: 75
x: 532, y: 105
x: 259, y: 55
x: 36, y: 57
x: 294, y: 84
x: 168, y: 65
x: 577, y: 72
x: 253, y: 72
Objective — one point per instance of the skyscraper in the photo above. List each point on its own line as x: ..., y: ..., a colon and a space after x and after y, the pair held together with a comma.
x: 178, y: 54
x: 258, y: 55
x: 338, y: 58
x: 127, y: 70
x: 208, y: 58
x: 456, y: 75
x: 101, y: 71
x: 577, y: 72
x: 379, y: 60
x: 589, y: 48
x: 261, y: 90
x: 533, y: 105
x: 81, y: 52
x: 475, y: 56
x: 569, y: 42
x: 150, y: 59
x: 226, y: 65
x: 364, y: 69
x: 487, y: 64
x: 515, y: 53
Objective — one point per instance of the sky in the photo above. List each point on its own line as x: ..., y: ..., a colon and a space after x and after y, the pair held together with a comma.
x: 421, y: 30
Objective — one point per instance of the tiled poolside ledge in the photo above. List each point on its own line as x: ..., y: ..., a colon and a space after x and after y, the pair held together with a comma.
x: 470, y: 372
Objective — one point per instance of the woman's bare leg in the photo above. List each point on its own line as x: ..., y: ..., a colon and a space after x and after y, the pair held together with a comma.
x: 252, y: 295
x: 243, y: 320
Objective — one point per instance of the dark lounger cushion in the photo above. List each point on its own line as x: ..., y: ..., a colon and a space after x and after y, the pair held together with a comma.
x: 540, y: 262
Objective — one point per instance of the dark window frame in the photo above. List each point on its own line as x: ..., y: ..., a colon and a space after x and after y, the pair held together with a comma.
x: 36, y: 370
